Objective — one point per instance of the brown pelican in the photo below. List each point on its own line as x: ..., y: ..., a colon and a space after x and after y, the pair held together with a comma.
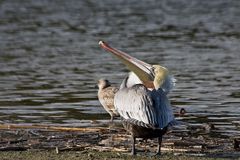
x: 106, y: 95
x: 144, y: 107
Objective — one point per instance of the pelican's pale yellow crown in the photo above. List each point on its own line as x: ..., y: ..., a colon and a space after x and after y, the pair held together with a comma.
x: 161, y: 74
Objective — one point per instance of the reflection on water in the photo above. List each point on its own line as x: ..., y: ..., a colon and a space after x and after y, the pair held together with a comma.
x: 50, y: 59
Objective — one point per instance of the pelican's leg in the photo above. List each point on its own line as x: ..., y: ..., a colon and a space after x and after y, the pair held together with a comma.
x: 133, y: 146
x: 159, y: 146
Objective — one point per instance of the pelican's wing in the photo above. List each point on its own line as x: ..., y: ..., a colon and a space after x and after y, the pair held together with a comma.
x: 136, y: 103
x: 150, y: 107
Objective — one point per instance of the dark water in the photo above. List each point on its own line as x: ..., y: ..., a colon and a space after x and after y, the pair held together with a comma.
x: 50, y: 59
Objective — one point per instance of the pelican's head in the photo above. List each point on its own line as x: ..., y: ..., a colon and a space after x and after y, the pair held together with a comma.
x: 152, y: 76
x: 161, y: 74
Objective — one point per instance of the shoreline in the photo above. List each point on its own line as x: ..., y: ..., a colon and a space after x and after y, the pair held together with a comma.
x: 107, y: 142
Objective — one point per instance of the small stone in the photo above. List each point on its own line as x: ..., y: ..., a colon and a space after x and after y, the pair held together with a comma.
x: 57, y: 150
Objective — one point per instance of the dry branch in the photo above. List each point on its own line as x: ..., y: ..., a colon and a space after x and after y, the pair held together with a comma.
x: 53, y: 128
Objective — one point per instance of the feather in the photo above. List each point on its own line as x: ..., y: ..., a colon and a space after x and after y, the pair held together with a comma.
x: 141, y: 104
x: 168, y: 84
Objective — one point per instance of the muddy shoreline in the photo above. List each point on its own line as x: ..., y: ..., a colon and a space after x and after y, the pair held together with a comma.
x: 111, y: 139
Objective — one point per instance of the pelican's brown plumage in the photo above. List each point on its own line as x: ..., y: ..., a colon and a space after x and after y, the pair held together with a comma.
x: 106, y: 95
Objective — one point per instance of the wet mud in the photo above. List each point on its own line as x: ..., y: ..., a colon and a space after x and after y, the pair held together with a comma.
x: 177, y: 141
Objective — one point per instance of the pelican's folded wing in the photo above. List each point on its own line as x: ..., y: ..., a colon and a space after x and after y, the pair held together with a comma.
x: 136, y: 103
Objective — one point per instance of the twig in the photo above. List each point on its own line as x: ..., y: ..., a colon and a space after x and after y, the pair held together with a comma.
x: 53, y: 128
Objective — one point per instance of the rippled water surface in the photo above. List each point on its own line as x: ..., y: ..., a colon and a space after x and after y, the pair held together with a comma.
x: 50, y: 59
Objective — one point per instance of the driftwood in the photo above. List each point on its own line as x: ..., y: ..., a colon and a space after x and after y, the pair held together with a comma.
x: 53, y: 128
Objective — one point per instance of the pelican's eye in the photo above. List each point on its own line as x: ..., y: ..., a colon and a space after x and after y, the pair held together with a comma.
x: 153, y: 70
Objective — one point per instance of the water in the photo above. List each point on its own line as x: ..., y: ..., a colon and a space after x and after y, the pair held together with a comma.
x: 50, y: 59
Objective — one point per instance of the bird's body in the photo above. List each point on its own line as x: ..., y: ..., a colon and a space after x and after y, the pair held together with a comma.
x: 106, y: 95
x: 142, y: 101
x: 146, y: 113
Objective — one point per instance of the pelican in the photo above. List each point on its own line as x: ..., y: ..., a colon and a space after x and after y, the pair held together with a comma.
x: 106, y: 95
x: 143, y: 104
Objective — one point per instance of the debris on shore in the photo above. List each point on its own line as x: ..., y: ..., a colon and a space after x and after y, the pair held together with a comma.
x: 114, y: 138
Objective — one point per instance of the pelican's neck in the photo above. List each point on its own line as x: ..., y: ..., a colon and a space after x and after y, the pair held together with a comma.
x: 124, y: 83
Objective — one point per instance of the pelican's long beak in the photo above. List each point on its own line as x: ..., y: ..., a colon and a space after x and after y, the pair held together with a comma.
x: 143, y: 70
